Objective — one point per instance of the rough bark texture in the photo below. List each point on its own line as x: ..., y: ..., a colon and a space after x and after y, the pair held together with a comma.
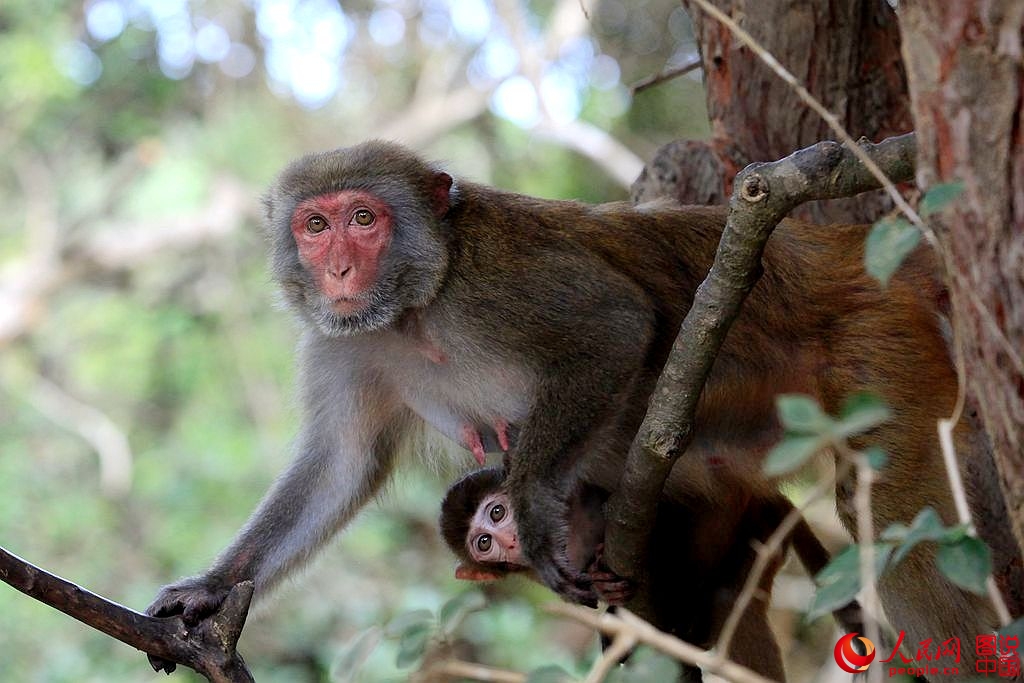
x: 847, y: 54
x: 964, y: 62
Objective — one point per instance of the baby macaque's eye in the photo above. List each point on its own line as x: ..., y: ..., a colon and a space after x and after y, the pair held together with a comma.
x: 497, y: 512
x: 483, y: 543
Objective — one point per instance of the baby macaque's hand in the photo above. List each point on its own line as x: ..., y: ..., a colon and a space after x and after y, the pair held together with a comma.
x: 609, y: 586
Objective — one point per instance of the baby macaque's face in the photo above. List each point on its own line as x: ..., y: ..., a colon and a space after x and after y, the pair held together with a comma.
x: 492, y: 534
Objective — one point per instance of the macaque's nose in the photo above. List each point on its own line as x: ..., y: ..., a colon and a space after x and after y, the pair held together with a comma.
x: 339, y: 273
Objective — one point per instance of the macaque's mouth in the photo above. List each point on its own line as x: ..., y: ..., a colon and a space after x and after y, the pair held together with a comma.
x: 349, y: 305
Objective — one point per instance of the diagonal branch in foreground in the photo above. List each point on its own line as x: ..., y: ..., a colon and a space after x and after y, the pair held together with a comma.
x: 209, y: 647
x: 763, y: 194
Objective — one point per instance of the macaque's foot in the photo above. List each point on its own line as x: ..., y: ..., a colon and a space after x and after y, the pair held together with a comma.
x: 193, y: 599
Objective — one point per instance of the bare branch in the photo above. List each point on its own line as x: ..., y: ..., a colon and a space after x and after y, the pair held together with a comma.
x: 209, y: 647
x: 94, y: 426
x: 762, y: 195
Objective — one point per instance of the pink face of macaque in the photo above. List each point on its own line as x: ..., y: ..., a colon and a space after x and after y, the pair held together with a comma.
x: 341, y: 237
x: 493, y: 536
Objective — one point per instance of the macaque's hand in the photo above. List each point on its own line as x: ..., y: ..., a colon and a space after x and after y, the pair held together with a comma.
x: 541, y: 515
x: 609, y: 586
x: 194, y: 599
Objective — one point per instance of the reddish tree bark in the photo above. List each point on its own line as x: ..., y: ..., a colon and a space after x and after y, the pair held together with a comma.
x: 966, y: 73
x: 847, y: 54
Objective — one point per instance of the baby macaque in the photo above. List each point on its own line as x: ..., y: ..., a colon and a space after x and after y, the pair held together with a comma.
x: 699, y: 559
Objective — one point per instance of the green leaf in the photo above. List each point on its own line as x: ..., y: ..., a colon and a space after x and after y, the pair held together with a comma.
x: 888, y: 243
x: 801, y: 414
x: 549, y: 674
x: 354, y: 654
x: 860, y: 413
x: 939, y: 197
x: 1015, y: 628
x: 455, y: 610
x: 413, y: 644
x: 834, y: 596
x: 966, y: 563
x: 647, y: 665
x: 789, y: 454
x: 839, y: 581
x: 402, y: 622
x: 877, y: 458
x: 926, y: 527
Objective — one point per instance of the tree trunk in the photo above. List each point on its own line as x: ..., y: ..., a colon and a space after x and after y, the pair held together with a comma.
x: 965, y: 72
x: 847, y: 54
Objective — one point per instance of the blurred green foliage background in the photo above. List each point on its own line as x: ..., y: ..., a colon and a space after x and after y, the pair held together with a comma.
x: 145, y: 368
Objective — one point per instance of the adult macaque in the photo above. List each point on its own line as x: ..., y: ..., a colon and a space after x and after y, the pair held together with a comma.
x: 472, y: 309
x: 699, y: 558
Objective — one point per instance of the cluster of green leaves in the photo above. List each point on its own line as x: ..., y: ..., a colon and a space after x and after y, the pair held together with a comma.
x: 961, y: 557
x: 419, y: 632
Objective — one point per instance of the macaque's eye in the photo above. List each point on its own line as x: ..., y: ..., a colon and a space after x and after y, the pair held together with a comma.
x: 363, y: 217
x: 497, y: 512
x: 483, y: 543
x: 316, y: 223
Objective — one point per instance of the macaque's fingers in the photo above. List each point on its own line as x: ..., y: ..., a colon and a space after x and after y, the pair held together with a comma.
x: 192, y: 598
x: 613, y: 589
x: 160, y: 664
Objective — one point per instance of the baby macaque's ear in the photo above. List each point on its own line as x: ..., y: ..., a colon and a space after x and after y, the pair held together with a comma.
x: 467, y: 573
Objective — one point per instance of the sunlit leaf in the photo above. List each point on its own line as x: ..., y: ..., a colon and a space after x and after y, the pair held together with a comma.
x: 966, y: 563
x: 888, y: 243
x: 938, y: 197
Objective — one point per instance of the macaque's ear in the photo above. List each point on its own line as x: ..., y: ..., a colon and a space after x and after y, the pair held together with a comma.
x: 467, y: 573
x: 442, y: 193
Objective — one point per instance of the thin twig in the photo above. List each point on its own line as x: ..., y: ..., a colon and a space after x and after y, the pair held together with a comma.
x: 457, y: 668
x: 667, y: 75
x: 624, y: 621
x: 866, y: 538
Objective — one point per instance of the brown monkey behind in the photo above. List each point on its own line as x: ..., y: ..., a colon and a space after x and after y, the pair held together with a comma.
x: 428, y: 300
